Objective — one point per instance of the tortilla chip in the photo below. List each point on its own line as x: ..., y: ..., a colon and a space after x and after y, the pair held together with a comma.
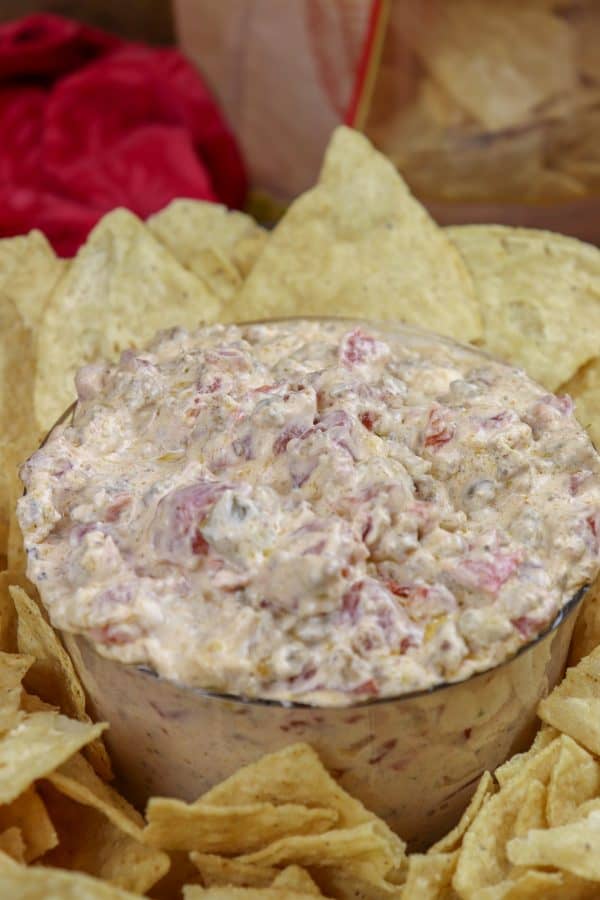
x: 575, y: 779
x: 36, y: 746
x: 240, y: 893
x: 453, y: 839
x: 532, y: 811
x: 357, y: 881
x: 574, y: 848
x: 121, y: 288
x: 12, y: 843
x: 497, y: 65
x: 534, y: 885
x: 572, y: 139
x: 16, y: 553
x: 482, y: 862
x: 175, y: 825
x: 358, y: 244
x: 4, y: 507
x: 31, y: 704
x: 218, y: 870
x: 584, y: 388
x: 29, y: 815
x: 91, y: 843
x: 40, y: 883
x: 429, y: 875
x: 573, y: 707
x: 77, y: 780
x: 52, y: 676
x: 13, y: 668
x: 29, y: 269
x: 586, y: 634
x: 18, y: 429
x: 17, y: 370
x: 294, y: 878
x: 539, y: 295
x: 274, y: 779
x: 181, y: 871
x: 516, y: 763
x: 333, y: 848
x: 463, y: 164
x: 218, y: 245
x: 8, y: 616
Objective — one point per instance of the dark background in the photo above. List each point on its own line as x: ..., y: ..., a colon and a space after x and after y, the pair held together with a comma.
x: 145, y: 20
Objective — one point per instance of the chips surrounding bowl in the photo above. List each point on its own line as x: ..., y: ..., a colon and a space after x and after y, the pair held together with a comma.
x: 217, y: 245
x: 29, y: 269
x: 90, y: 315
x: 358, y: 243
x: 539, y: 294
x: 584, y: 388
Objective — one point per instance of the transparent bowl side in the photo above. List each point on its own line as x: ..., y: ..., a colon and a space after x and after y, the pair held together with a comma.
x: 414, y: 760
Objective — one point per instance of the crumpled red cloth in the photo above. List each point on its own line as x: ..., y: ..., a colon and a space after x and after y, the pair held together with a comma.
x: 89, y: 122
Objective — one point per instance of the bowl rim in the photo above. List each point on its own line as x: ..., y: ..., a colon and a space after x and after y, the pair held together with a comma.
x: 562, y: 615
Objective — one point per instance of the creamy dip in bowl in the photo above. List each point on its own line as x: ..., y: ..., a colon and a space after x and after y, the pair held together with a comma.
x: 316, y: 512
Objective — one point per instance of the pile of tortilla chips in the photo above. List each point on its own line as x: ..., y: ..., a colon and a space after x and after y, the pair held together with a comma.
x: 492, y: 99
x: 356, y: 244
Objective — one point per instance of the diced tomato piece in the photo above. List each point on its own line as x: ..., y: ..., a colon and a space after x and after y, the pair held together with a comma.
x: 414, y: 591
x: 366, y: 528
x: 526, y: 626
x: 357, y: 347
x: 576, y: 480
x: 406, y: 643
x: 399, y: 590
x: 368, y: 419
x: 113, y: 634
x: 282, y: 440
x: 497, y: 421
x: 212, y: 387
x: 180, y: 515
x: 200, y: 545
x: 438, y: 431
x: 351, y: 601
x: 592, y: 522
x: 491, y: 574
x: 309, y: 671
x: 115, y: 509
x: 368, y: 688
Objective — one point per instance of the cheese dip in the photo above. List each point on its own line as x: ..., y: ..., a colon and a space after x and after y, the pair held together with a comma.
x: 320, y: 511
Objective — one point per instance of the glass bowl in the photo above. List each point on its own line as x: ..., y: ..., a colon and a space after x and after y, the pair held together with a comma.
x: 414, y: 760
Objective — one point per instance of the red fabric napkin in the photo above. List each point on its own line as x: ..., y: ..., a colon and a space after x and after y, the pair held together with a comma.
x: 89, y: 122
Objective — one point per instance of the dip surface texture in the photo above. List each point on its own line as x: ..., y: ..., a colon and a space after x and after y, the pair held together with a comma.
x: 318, y: 511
